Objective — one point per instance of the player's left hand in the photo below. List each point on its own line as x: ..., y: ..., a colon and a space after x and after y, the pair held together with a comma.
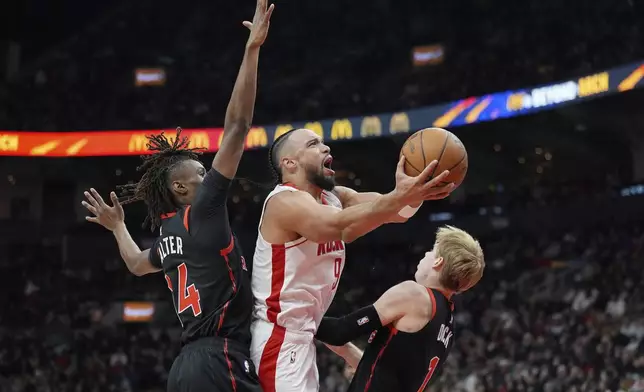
x: 260, y: 24
x: 415, y: 190
x: 107, y: 216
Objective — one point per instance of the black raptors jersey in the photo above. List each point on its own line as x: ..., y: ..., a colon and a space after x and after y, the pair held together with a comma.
x: 406, y: 362
x: 204, y: 267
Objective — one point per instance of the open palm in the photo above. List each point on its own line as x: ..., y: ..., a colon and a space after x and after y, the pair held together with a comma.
x: 105, y: 215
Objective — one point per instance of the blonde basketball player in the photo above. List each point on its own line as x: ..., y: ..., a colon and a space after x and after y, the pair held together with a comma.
x: 412, y: 320
x: 300, y: 251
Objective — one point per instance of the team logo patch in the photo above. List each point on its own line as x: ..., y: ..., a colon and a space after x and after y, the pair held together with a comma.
x: 293, y: 356
x: 363, y: 321
x: 246, y: 367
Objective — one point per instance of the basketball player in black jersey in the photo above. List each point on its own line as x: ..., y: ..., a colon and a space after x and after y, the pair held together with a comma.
x: 411, y: 324
x: 203, y: 264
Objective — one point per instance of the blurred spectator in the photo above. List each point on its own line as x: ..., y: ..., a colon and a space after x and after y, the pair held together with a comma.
x: 341, y: 61
x: 589, y: 340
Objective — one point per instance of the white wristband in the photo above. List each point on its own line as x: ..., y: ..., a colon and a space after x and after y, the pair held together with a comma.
x: 408, y: 211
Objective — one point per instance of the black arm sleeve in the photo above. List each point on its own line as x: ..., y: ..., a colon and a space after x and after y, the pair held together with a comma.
x: 208, y: 210
x: 339, y: 331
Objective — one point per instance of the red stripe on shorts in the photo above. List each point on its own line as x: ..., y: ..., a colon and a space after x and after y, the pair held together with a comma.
x: 268, y: 362
x: 230, y: 366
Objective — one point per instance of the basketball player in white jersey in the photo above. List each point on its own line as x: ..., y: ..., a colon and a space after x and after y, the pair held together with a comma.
x: 300, y: 251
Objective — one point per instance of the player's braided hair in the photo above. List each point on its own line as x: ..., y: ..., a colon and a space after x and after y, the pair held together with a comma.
x: 273, y: 151
x: 153, y: 188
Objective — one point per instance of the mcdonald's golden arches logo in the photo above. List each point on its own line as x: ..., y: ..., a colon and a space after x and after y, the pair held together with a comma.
x: 199, y: 140
x: 256, y: 138
x: 371, y: 126
x: 399, y: 123
x: 341, y: 129
x: 282, y: 129
x: 9, y: 142
x: 315, y: 127
x: 219, y: 139
x: 138, y: 143
x: 631, y: 80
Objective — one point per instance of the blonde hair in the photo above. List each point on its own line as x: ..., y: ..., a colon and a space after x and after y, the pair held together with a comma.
x: 462, y: 257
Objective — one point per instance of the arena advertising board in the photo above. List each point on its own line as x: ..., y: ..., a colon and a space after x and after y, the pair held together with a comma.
x: 138, y: 311
x: 453, y: 114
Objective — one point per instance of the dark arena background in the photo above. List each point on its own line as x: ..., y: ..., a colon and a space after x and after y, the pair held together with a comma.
x: 547, y: 96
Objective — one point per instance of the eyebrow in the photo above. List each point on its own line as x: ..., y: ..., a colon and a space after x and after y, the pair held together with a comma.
x: 315, y: 139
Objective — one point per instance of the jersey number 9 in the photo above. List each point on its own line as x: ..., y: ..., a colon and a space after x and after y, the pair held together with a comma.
x: 337, y: 270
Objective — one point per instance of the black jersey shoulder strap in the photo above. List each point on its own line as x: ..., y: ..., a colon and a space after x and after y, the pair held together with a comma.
x: 440, y: 302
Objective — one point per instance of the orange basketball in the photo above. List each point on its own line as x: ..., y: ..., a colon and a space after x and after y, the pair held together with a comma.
x: 430, y: 144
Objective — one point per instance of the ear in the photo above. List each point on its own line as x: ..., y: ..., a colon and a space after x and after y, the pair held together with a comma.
x: 438, y: 263
x: 179, y: 188
x: 289, y: 164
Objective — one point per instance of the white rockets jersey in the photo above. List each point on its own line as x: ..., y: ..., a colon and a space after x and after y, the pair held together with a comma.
x: 294, y: 283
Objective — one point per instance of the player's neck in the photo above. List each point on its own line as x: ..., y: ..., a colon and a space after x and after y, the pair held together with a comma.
x: 304, y: 185
x: 447, y: 293
x: 431, y: 284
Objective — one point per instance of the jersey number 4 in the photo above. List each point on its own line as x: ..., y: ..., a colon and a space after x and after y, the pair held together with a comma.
x: 187, y: 296
x: 433, y: 364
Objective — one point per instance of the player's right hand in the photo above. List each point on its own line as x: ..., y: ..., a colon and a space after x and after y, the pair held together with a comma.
x: 414, y: 190
x: 107, y: 216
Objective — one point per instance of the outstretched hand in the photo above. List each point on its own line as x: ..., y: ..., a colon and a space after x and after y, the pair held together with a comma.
x: 414, y: 190
x: 107, y: 216
x: 260, y: 24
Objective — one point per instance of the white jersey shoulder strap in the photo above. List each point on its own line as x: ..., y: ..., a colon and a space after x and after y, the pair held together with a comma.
x: 331, y: 199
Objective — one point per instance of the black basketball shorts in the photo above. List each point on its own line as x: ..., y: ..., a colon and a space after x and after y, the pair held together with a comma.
x: 213, y: 364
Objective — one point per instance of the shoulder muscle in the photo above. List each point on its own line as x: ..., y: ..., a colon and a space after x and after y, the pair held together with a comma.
x: 301, y: 213
x: 404, y: 299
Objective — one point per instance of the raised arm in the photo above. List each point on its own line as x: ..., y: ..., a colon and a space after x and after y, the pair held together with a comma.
x: 239, y: 114
x: 299, y: 212
x: 349, y: 197
x: 113, y: 218
x: 404, y: 299
x: 404, y: 183
x: 208, y: 211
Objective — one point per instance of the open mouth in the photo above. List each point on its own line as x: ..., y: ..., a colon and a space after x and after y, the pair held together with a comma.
x: 327, y: 166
